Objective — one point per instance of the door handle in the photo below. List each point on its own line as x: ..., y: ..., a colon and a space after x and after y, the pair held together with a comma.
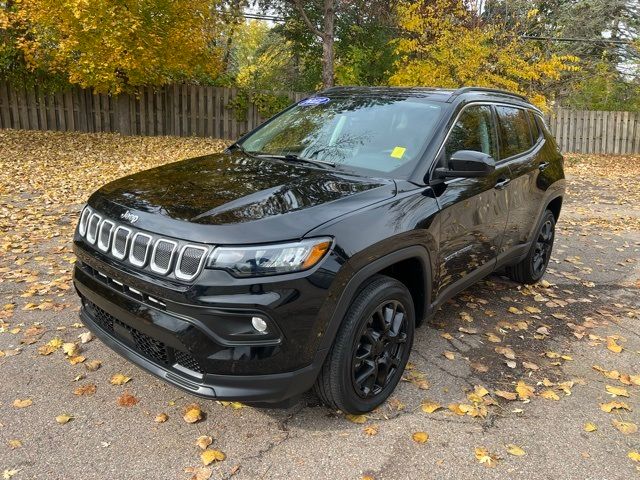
x: 543, y: 166
x: 502, y: 183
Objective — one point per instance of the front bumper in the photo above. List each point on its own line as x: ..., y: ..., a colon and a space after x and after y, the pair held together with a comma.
x: 187, y: 343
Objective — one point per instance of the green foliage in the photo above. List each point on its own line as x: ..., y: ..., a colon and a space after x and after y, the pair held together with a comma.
x: 268, y: 104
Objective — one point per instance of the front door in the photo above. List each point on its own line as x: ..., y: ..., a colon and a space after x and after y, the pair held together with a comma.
x: 473, y: 211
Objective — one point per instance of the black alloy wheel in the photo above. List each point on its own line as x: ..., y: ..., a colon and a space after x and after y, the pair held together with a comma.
x: 380, y: 349
x: 371, y: 348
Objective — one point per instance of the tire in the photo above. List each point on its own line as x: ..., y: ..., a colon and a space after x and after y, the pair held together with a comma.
x: 369, y: 346
x: 532, y: 268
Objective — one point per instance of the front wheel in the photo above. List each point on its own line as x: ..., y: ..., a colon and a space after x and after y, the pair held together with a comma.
x: 532, y: 268
x: 371, y: 348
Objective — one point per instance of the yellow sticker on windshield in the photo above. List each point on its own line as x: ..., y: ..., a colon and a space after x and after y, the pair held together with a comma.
x: 398, y: 152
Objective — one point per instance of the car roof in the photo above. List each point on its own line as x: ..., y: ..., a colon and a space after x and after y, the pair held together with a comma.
x: 447, y: 95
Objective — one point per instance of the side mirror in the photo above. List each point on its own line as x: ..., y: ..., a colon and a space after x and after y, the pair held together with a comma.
x: 467, y: 164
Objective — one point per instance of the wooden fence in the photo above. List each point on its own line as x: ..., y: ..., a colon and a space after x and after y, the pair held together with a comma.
x: 186, y: 110
x: 596, y: 131
x: 182, y: 110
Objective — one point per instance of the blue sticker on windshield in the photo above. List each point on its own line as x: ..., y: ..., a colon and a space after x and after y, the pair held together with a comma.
x: 308, y: 102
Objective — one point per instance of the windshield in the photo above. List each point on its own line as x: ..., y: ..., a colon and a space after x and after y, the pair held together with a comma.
x: 375, y: 133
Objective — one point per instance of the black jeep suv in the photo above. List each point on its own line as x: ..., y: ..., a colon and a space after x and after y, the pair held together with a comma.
x: 306, y: 254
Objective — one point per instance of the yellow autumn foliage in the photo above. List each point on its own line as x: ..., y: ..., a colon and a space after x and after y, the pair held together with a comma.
x: 114, y: 46
x: 446, y: 45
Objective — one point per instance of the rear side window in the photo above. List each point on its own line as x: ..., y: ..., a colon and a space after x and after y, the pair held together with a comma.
x: 515, y: 133
x: 473, y: 131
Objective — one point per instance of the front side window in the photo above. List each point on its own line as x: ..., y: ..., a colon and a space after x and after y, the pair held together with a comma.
x: 381, y: 133
x: 515, y: 134
x: 472, y: 131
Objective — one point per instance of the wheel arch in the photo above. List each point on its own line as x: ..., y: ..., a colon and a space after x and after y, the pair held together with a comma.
x: 401, y: 265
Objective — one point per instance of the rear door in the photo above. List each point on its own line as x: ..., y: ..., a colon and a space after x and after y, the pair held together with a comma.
x: 521, y: 143
x: 473, y: 211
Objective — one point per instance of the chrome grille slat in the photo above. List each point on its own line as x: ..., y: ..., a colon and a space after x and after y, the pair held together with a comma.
x: 120, y: 242
x: 92, y: 228
x: 139, y: 252
x: 162, y: 255
x: 190, y: 261
x: 106, y: 230
x: 84, y: 218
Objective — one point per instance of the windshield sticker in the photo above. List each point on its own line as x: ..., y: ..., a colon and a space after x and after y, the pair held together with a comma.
x: 398, y: 152
x: 308, y: 102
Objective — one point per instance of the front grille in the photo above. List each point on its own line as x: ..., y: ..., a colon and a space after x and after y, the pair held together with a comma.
x: 144, y: 344
x: 142, y: 250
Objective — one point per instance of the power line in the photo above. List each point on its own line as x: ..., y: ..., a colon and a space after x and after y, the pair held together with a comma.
x: 579, y: 40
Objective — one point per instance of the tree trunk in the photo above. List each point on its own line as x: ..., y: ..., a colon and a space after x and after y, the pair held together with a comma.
x: 327, y: 44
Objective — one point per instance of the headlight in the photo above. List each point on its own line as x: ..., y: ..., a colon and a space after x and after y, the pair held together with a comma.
x: 252, y: 261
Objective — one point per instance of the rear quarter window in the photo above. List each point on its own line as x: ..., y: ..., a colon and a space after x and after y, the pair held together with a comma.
x: 515, y: 131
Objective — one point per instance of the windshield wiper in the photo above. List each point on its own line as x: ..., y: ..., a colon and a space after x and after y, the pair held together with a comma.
x: 297, y: 158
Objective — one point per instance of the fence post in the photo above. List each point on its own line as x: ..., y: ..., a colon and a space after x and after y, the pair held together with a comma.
x: 123, y: 115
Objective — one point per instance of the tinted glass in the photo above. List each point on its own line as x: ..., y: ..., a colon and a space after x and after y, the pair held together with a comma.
x: 376, y: 133
x: 514, y: 131
x: 473, y: 131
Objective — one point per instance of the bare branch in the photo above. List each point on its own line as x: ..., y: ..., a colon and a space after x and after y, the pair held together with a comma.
x: 315, y: 30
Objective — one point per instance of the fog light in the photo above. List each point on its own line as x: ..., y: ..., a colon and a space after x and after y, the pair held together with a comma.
x: 259, y: 324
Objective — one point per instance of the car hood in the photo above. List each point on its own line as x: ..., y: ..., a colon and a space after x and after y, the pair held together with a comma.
x: 232, y: 198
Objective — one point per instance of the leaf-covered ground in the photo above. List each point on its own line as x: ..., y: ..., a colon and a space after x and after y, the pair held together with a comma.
x: 506, y: 381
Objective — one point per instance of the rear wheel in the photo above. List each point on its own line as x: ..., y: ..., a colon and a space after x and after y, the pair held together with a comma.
x: 532, y: 268
x: 371, y: 348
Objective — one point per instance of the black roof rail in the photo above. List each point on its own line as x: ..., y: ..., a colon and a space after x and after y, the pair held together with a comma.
x: 462, y: 90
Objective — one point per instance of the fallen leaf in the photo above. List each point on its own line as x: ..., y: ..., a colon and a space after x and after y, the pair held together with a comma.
x: 13, y: 444
x: 192, y: 413
x: 88, y: 389
x: 210, y: 456
x: 506, y: 395
x: 608, y: 407
x: 76, y: 359
x: 524, y: 391
x: 85, y: 337
x: 515, y: 450
x: 590, y: 427
x: 613, y: 346
x: 549, y: 395
x: 617, y: 391
x: 420, y: 437
x: 506, y: 352
x: 449, y: 355
x: 127, y: 400
x: 485, y: 457
x: 70, y: 349
x: 161, y: 418
x: 199, y: 473
x: 119, y: 379
x: 93, y: 365
x: 625, y: 427
x: 530, y: 366
x: 204, y: 441
x: 22, y: 403
x: 430, y: 407
x: 634, y: 455
x: 8, y: 473
x: 371, y: 430
x: 492, y: 337
x: 356, y: 418
x: 64, y: 418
